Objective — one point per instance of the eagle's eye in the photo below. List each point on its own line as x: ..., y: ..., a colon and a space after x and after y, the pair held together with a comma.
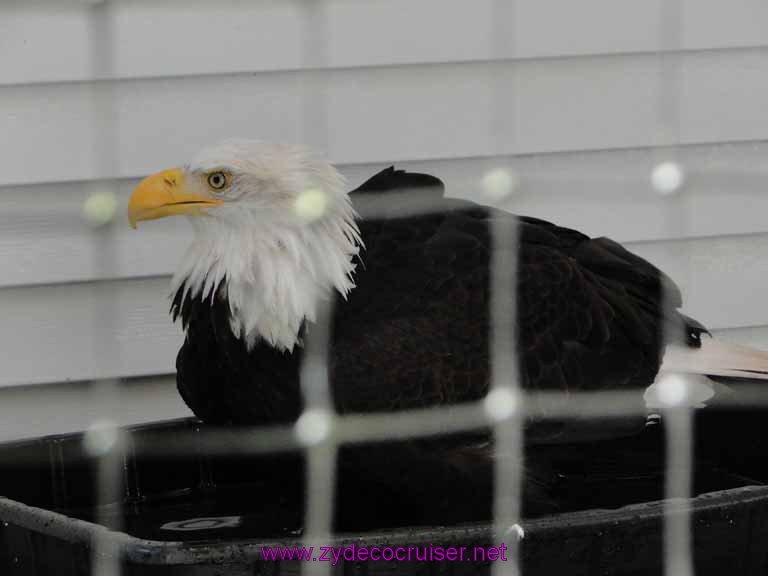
x: 218, y: 180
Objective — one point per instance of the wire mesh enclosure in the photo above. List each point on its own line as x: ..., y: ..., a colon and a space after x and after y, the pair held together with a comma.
x: 641, y: 121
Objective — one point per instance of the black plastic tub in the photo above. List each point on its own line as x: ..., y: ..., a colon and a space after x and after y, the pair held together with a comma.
x: 201, y: 515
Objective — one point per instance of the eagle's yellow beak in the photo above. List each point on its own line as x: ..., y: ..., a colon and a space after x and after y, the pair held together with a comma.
x: 164, y: 194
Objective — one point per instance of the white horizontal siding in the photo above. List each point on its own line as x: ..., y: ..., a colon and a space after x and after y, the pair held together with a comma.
x: 43, y: 239
x: 203, y: 37
x: 55, y: 332
x: 85, y: 331
x: 32, y: 412
x: 378, y: 115
x: 756, y: 336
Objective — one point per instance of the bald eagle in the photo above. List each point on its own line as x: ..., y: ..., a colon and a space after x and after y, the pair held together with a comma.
x: 276, y: 233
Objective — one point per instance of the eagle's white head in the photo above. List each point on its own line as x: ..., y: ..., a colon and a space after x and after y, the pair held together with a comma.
x: 274, y: 220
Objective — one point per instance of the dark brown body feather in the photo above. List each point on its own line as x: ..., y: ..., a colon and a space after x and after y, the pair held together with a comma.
x: 415, y: 331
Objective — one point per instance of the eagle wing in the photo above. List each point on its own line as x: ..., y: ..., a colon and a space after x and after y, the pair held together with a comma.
x: 415, y: 332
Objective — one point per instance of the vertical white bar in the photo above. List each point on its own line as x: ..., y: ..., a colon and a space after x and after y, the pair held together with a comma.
x: 102, y: 440
x: 315, y: 429
x: 503, y: 399
x: 313, y: 92
x: 668, y: 179
x: 677, y: 513
x: 315, y: 426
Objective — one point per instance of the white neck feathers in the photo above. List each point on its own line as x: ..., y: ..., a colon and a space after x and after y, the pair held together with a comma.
x: 276, y: 272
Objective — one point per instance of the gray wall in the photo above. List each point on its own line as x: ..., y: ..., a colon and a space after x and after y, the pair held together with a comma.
x: 406, y: 81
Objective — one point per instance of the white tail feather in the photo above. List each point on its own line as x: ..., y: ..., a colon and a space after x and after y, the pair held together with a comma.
x: 716, y: 358
x: 713, y: 358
